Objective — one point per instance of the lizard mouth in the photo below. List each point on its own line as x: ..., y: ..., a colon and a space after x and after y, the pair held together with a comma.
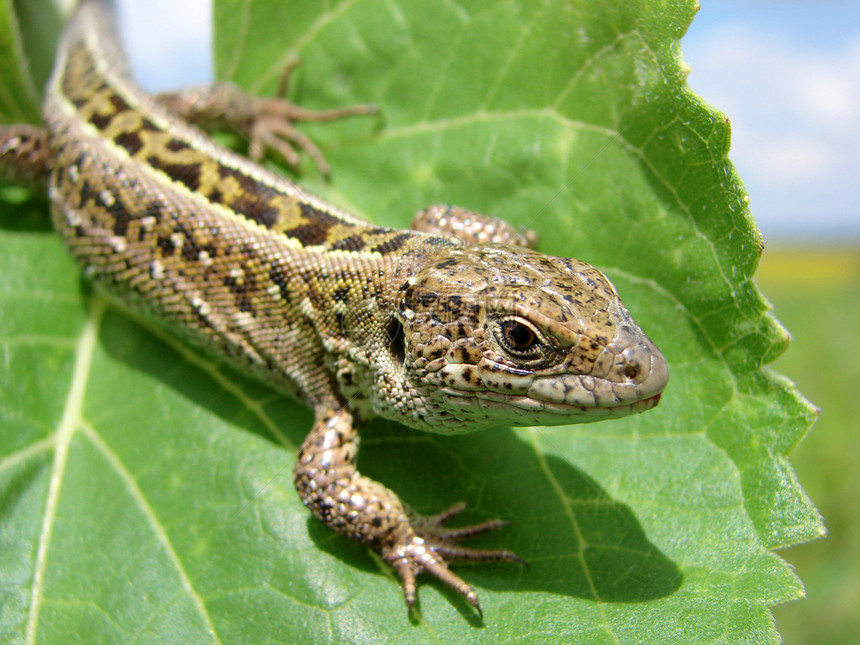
x: 520, y: 398
x: 519, y: 409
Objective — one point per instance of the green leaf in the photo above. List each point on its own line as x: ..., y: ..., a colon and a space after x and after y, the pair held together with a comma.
x: 146, y: 492
x: 26, y: 53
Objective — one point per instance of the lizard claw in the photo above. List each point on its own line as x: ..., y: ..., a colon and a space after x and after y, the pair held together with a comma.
x: 272, y: 125
x: 429, y: 546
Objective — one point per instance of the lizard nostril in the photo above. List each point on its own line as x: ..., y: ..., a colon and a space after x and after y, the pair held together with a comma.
x: 630, y: 370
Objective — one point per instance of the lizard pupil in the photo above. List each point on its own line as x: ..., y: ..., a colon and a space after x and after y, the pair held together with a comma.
x: 517, y: 336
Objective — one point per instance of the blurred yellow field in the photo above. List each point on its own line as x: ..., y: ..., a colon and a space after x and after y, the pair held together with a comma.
x: 816, y: 295
x: 804, y: 267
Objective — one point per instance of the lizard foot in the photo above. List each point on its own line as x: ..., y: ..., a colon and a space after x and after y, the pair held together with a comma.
x: 364, y: 510
x: 428, y: 546
x: 267, y: 122
x: 273, y: 128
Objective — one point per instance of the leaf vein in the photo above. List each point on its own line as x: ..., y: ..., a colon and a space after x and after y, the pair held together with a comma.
x: 69, y: 423
x: 571, y: 516
x: 149, y: 513
x: 15, y: 458
x: 302, y: 40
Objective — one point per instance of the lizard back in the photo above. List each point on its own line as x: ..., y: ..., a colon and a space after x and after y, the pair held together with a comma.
x: 195, y: 236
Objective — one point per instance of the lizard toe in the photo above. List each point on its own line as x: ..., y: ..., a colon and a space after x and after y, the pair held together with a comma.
x: 430, y: 547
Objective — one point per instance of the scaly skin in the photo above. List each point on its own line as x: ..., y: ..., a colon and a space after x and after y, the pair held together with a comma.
x: 449, y: 328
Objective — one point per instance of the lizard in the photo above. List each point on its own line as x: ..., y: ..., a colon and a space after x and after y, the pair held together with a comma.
x: 455, y: 325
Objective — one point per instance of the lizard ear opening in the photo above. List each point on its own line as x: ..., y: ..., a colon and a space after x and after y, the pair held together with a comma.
x: 396, y: 340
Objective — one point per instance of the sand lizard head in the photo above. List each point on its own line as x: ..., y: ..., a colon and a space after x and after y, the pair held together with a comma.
x: 496, y: 335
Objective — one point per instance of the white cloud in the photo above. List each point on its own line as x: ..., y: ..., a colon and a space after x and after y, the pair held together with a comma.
x: 167, y: 41
x: 786, y: 160
x: 824, y: 88
x: 795, y: 113
x: 827, y: 94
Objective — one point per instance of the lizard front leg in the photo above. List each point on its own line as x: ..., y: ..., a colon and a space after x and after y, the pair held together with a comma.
x: 471, y: 227
x: 332, y: 488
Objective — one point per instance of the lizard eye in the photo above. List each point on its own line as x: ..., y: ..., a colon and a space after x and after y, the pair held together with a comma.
x: 518, y: 338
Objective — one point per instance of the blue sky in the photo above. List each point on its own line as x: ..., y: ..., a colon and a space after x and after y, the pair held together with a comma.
x: 786, y: 72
